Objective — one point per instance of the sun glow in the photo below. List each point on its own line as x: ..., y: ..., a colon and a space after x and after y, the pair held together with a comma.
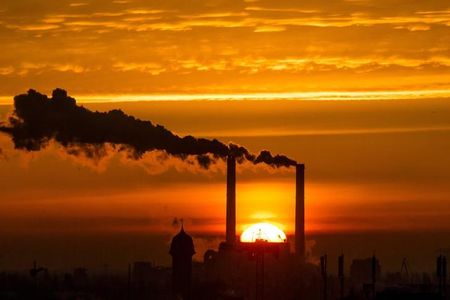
x: 308, y: 95
x: 263, y: 232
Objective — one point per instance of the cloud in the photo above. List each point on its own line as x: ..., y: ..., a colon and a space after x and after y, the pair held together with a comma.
x: 257, y: 17
x: 283, y: 10
x: 270, y: 28
x: 78, y: 4
x: 225, y: 46
x: 6, y: 70
x: 37, y: 68
x: 151, y: 68
x: 417, y: 27
x: 34, y: 27
x: 69, y: 68
x: 309, y: 250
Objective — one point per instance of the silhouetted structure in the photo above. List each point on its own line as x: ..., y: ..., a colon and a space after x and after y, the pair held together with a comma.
x: 341, y: 275
x: 324, y: 273
x: 231, y: 202
x: 182, y: 250
x: 35, y: 270
x: 404, y: 270
x: 237, y: 271
x: 362, y: 269
x: 441, y: 273
x: 300, y: 211
x: 262, y: 269
x: 263, y: 255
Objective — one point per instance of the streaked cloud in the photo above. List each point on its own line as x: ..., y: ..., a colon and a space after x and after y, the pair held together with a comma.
x: 6, y: 70
x: 270, y: 28
x: 250, y: 45
x: 78, y: 4
x: 37, y: 68
x: 152, y: 68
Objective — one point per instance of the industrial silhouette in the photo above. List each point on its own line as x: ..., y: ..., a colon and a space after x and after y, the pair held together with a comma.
x: 267, y: 270
x: 257, y: 270
x: 182, y: 250
x: 236, y: 270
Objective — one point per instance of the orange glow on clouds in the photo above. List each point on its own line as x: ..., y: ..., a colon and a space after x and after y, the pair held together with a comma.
x: 263, y: 232
x: 151, y: 47
x: 307, y: 95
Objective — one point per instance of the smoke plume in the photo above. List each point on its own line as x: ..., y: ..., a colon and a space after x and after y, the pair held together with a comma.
x: 38, y: 119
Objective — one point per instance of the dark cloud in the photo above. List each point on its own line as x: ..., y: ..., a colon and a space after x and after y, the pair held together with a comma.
x: 38, y: 119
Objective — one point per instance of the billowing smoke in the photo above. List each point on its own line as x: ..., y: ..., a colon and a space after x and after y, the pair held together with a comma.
x: 37, y: 119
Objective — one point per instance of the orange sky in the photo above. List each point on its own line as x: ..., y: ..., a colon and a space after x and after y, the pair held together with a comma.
x: 371, y: 165
x: 212, y: 46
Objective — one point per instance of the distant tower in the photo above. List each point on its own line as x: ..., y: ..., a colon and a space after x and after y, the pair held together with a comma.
x: 182, y: 250
x: 300, y: 211
x: 231, y: 202
x: 341, y: 274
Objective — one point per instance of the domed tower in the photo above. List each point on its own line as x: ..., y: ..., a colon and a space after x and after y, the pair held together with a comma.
x: 182, y: 250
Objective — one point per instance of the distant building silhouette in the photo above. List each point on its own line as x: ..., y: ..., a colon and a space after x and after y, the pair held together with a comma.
x: 365, y: 270
x: 261, y: 269
x: 231, y: 202
x: 300, y: 211
x: 182, y: 250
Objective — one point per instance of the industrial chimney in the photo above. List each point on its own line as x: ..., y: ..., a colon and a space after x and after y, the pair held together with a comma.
x: 231, y: 201
x: 300, y: 211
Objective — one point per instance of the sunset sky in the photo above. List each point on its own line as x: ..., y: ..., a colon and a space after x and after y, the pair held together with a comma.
x: 177, y: 46
x: 287, y: 76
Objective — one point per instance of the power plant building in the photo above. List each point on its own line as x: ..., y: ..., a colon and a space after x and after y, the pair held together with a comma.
x: 260, y: 269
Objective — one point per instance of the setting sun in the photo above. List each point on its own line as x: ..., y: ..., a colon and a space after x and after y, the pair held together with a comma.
x: 263, y: 232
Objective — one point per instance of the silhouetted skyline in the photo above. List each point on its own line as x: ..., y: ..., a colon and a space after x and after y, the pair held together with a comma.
x: 229, y: 150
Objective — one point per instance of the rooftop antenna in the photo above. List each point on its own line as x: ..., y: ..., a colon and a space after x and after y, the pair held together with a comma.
x: 34, y: 272
x: 439, y: 272
x: 374, y: 273
x: 323, y: 271
x: 129, y: 282
x: 404, y: 268
x: 444, y: 274
x: 341, y: 274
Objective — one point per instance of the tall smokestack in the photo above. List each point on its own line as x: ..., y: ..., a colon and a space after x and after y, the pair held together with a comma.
x: 300, y: 211
x: 231, y: 200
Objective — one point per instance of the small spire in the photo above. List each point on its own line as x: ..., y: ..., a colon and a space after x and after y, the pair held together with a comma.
x: 182, y: 225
